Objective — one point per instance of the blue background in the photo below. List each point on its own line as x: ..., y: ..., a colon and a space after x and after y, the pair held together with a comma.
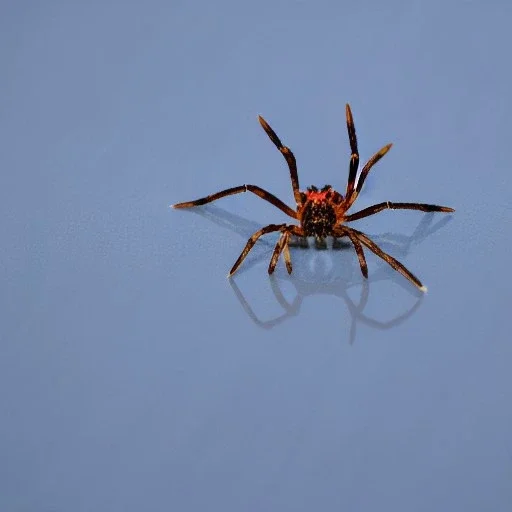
x: 135, y: 376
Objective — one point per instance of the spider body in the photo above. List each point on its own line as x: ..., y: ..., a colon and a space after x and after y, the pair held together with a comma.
x: 322, y: 213
x: 318, y: 215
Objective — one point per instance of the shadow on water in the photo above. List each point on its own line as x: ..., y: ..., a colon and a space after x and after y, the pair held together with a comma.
x: 313, y: 274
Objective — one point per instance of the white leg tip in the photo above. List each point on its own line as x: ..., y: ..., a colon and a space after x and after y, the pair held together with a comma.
x: 424, y: 289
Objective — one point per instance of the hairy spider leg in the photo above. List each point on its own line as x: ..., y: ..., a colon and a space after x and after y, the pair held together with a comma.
x: 281, y: 244
x: 287, y: 256
x: 357, y: 246
x: 250, y: 243
x: 354, y: 158
x: 289, y: 157
x: 376, y: 208
x: 364, y: 173
x: 387, y: 258
x: 267, y: 196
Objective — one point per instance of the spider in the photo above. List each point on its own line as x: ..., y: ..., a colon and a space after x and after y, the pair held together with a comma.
x: 322, y: 212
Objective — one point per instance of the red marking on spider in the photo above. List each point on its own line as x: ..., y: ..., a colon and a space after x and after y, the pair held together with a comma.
x: 317, y: 197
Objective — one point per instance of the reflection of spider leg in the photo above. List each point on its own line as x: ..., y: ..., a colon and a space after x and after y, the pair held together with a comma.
x: 227, y: 220
x: 401, y: 244
x: 356, y: 312
x: 389, y: 324
x: 337, y: 289
x: 249, y: 311
x: 290, y: 309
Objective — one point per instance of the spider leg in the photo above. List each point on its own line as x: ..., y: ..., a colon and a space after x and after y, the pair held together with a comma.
x: 275, y: 255
x: 376, y: 208
x: 364, y: 173
x: 287, y: 257
x: 267, y: 196
x: 386, y: 257
x: 250, y: 243
x: 354, y: 159
x: 298, y: 232
x: 358, y: 248
x: 281, y: 244
x: 288, y: 155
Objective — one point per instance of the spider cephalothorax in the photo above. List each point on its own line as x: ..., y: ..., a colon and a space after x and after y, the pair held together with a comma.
x: 322, y: 213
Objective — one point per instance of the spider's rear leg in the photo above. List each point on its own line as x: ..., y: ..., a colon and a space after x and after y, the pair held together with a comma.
x: 281, y: 245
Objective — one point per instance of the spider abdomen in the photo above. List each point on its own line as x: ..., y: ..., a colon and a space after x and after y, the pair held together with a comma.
x: 318, y: 219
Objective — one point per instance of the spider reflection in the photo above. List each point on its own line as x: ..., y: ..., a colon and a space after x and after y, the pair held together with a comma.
x: 337, y: 289
x: 314, y: 278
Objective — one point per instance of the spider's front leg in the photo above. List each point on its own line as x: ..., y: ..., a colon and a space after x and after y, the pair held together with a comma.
x: 250, y: 243
x: 282, y: 246
x: 289, y: 157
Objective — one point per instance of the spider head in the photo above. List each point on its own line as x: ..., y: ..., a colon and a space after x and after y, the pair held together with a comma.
x: 325, y: 195
x: 318, y: 196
